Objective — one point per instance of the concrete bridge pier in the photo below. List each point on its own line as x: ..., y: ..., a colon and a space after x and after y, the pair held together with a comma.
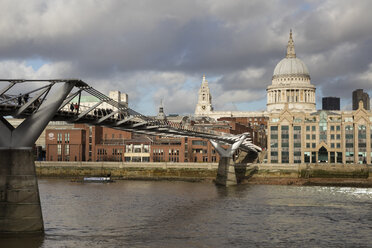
x: 226, y: 175
x: 226, y: 172
x: 20, y: 209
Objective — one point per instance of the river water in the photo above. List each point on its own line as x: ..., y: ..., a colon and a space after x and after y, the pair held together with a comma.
x: 184, y: 214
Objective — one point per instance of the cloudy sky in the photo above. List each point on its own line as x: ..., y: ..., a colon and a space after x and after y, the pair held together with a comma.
x: 160, y: 49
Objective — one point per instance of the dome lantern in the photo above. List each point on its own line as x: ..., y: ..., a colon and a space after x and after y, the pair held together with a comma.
x: 290, y: 47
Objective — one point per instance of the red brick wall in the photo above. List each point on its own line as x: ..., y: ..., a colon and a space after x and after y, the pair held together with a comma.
x: 75, y: 143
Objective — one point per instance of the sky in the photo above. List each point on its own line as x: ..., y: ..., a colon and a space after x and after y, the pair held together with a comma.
x: 159, y: 50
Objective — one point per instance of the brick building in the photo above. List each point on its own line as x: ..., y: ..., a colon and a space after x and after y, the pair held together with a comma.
x: 65, y: 144
x: 94, y: 143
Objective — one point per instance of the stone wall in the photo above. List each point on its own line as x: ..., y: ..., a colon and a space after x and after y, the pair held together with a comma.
x: 119, y: 170
x: 314, y: 170
x: 193, y: 171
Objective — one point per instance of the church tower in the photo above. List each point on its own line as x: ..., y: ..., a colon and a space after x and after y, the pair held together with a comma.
x: 204, y: 105
x: 161, y: 115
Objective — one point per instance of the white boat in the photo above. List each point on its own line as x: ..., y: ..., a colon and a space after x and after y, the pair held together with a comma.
x: 97, y: 179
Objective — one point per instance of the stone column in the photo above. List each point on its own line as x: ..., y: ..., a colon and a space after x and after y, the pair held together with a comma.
x: 20, y: 209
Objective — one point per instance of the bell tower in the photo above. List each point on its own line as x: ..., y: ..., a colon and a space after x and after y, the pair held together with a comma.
x: 204, y: 105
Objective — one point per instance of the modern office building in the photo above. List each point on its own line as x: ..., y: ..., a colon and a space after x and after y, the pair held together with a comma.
x: 330, y: 103
x: 320, y: 137
x: 359, y: 95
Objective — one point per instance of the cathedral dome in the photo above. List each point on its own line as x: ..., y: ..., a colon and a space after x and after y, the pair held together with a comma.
x: 291, y: 67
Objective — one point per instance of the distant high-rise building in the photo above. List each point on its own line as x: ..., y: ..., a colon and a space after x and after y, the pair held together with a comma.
x: 330, y: 103
x: 359, y: 95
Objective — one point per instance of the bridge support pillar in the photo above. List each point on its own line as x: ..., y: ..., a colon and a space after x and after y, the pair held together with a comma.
x: 20, y: 209
x: 226, y: 175
x: 226, y: 172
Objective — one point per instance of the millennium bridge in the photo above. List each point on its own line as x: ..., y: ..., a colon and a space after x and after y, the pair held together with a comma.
x: 38, y: 102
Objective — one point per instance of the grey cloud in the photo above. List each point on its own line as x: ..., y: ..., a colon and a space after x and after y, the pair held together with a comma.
x: 134, y: 45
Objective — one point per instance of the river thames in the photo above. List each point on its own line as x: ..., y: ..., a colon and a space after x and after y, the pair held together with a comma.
x: 184, y: 214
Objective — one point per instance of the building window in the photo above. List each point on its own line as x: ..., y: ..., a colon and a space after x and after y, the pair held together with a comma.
x: 67, y: 149
x: 307, y: 128
x: 199, y: 143
x: 332, y: 128
x: 312, y: 128
x: 323, y: 127
x: 307, y: 157
x: 362, y: 144
x: 338, y: 128
x: 59, y: 138
x: 297, y: 144
x: 332, y: 136
x: 285, y: 144
x: 332, y: 157
x: 307, y: 145
x: 137, y: 149
x: 313, y: 137
x: 67, y: 137
x: 313, y: 145
x: 285, y: 128
x: 59, y: 149
x: 285, y: 157
x: 146, y: 159
x: 349, y: 144
x: 274, y: 144
x: 307, y: 136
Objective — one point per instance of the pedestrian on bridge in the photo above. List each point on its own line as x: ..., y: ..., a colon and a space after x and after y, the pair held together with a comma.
x: 20, y: 99
x: 25, y: 98
x: 76, y: 106
x: 72, y: 107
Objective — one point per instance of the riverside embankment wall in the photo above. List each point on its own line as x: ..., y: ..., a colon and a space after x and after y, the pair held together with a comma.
x: 192, y: 171
x: 122, y: 170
